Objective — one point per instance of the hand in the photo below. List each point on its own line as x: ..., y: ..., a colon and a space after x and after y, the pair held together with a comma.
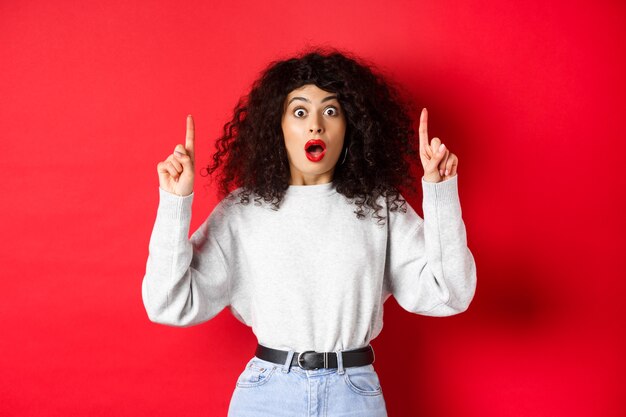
x: 176, y: 172
x: 438, y: 162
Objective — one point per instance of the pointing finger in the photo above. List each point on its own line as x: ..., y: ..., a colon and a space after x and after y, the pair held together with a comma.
x: 190, y: 137
x: 423, y: 130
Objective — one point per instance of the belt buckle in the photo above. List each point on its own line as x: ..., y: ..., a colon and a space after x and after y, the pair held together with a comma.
x: 311, y: 351
x: 299, y: 359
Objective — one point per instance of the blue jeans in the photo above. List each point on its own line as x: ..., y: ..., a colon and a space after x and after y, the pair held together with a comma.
x: 268, y: 389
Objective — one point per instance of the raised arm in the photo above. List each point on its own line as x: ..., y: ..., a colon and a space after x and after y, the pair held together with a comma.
x: 186, y: 280
x: 430, y: 269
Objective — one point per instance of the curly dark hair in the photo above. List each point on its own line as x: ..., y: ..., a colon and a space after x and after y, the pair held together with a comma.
x: 379, y: 133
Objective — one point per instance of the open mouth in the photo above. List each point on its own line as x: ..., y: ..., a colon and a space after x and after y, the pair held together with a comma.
x: 315, y: 150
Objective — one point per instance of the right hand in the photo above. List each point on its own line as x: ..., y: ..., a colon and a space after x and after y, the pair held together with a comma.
x: 438, y: 162
x: 177, y: 171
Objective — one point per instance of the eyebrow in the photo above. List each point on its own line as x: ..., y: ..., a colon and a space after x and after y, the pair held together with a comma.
x: 308, y: 101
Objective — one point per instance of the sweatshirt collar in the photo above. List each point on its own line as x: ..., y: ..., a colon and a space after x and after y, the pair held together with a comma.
x: 311, y: 190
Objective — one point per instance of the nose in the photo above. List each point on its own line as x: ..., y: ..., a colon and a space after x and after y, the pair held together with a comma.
x: 316, y: 125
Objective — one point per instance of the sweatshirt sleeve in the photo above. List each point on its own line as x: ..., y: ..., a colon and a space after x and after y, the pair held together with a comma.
x: 430, y: 270
x: 186, y: 280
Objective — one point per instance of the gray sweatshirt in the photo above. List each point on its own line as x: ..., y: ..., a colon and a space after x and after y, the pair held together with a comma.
x: 310, y: 275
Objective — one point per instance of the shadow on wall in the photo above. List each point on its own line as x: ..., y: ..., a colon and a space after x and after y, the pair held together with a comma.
x: 510, y: 300
x: 512, y: 293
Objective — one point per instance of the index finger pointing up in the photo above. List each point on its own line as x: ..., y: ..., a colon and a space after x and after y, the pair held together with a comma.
x: 190, y: 137
x: 423, y: 129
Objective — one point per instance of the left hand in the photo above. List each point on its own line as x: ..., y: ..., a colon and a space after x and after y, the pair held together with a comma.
x: 438, y: 162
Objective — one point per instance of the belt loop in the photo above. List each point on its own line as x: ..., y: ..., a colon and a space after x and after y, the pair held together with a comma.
x: 287, y: 363
x: 340, y: 369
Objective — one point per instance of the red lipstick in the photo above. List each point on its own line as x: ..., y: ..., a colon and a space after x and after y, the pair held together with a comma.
x: 315, y: 150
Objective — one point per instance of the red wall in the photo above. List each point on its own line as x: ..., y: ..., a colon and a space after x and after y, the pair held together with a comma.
x: 530, y: 95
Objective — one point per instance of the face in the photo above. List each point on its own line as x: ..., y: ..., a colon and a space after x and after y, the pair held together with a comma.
x: 314, y: 127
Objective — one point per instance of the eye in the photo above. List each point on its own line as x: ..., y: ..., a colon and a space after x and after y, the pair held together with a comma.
x: 331, y: 111
x: 299, y: 112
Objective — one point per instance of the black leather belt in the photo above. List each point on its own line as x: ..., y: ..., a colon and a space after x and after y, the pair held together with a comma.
x: 315, y: 360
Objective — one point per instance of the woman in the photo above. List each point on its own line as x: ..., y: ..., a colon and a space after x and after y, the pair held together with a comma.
x: 322, y: 144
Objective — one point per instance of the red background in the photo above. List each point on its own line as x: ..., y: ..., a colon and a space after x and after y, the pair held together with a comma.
x: 530, y: 95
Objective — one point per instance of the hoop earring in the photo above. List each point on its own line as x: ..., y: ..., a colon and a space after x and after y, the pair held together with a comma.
x: 345, y: 154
